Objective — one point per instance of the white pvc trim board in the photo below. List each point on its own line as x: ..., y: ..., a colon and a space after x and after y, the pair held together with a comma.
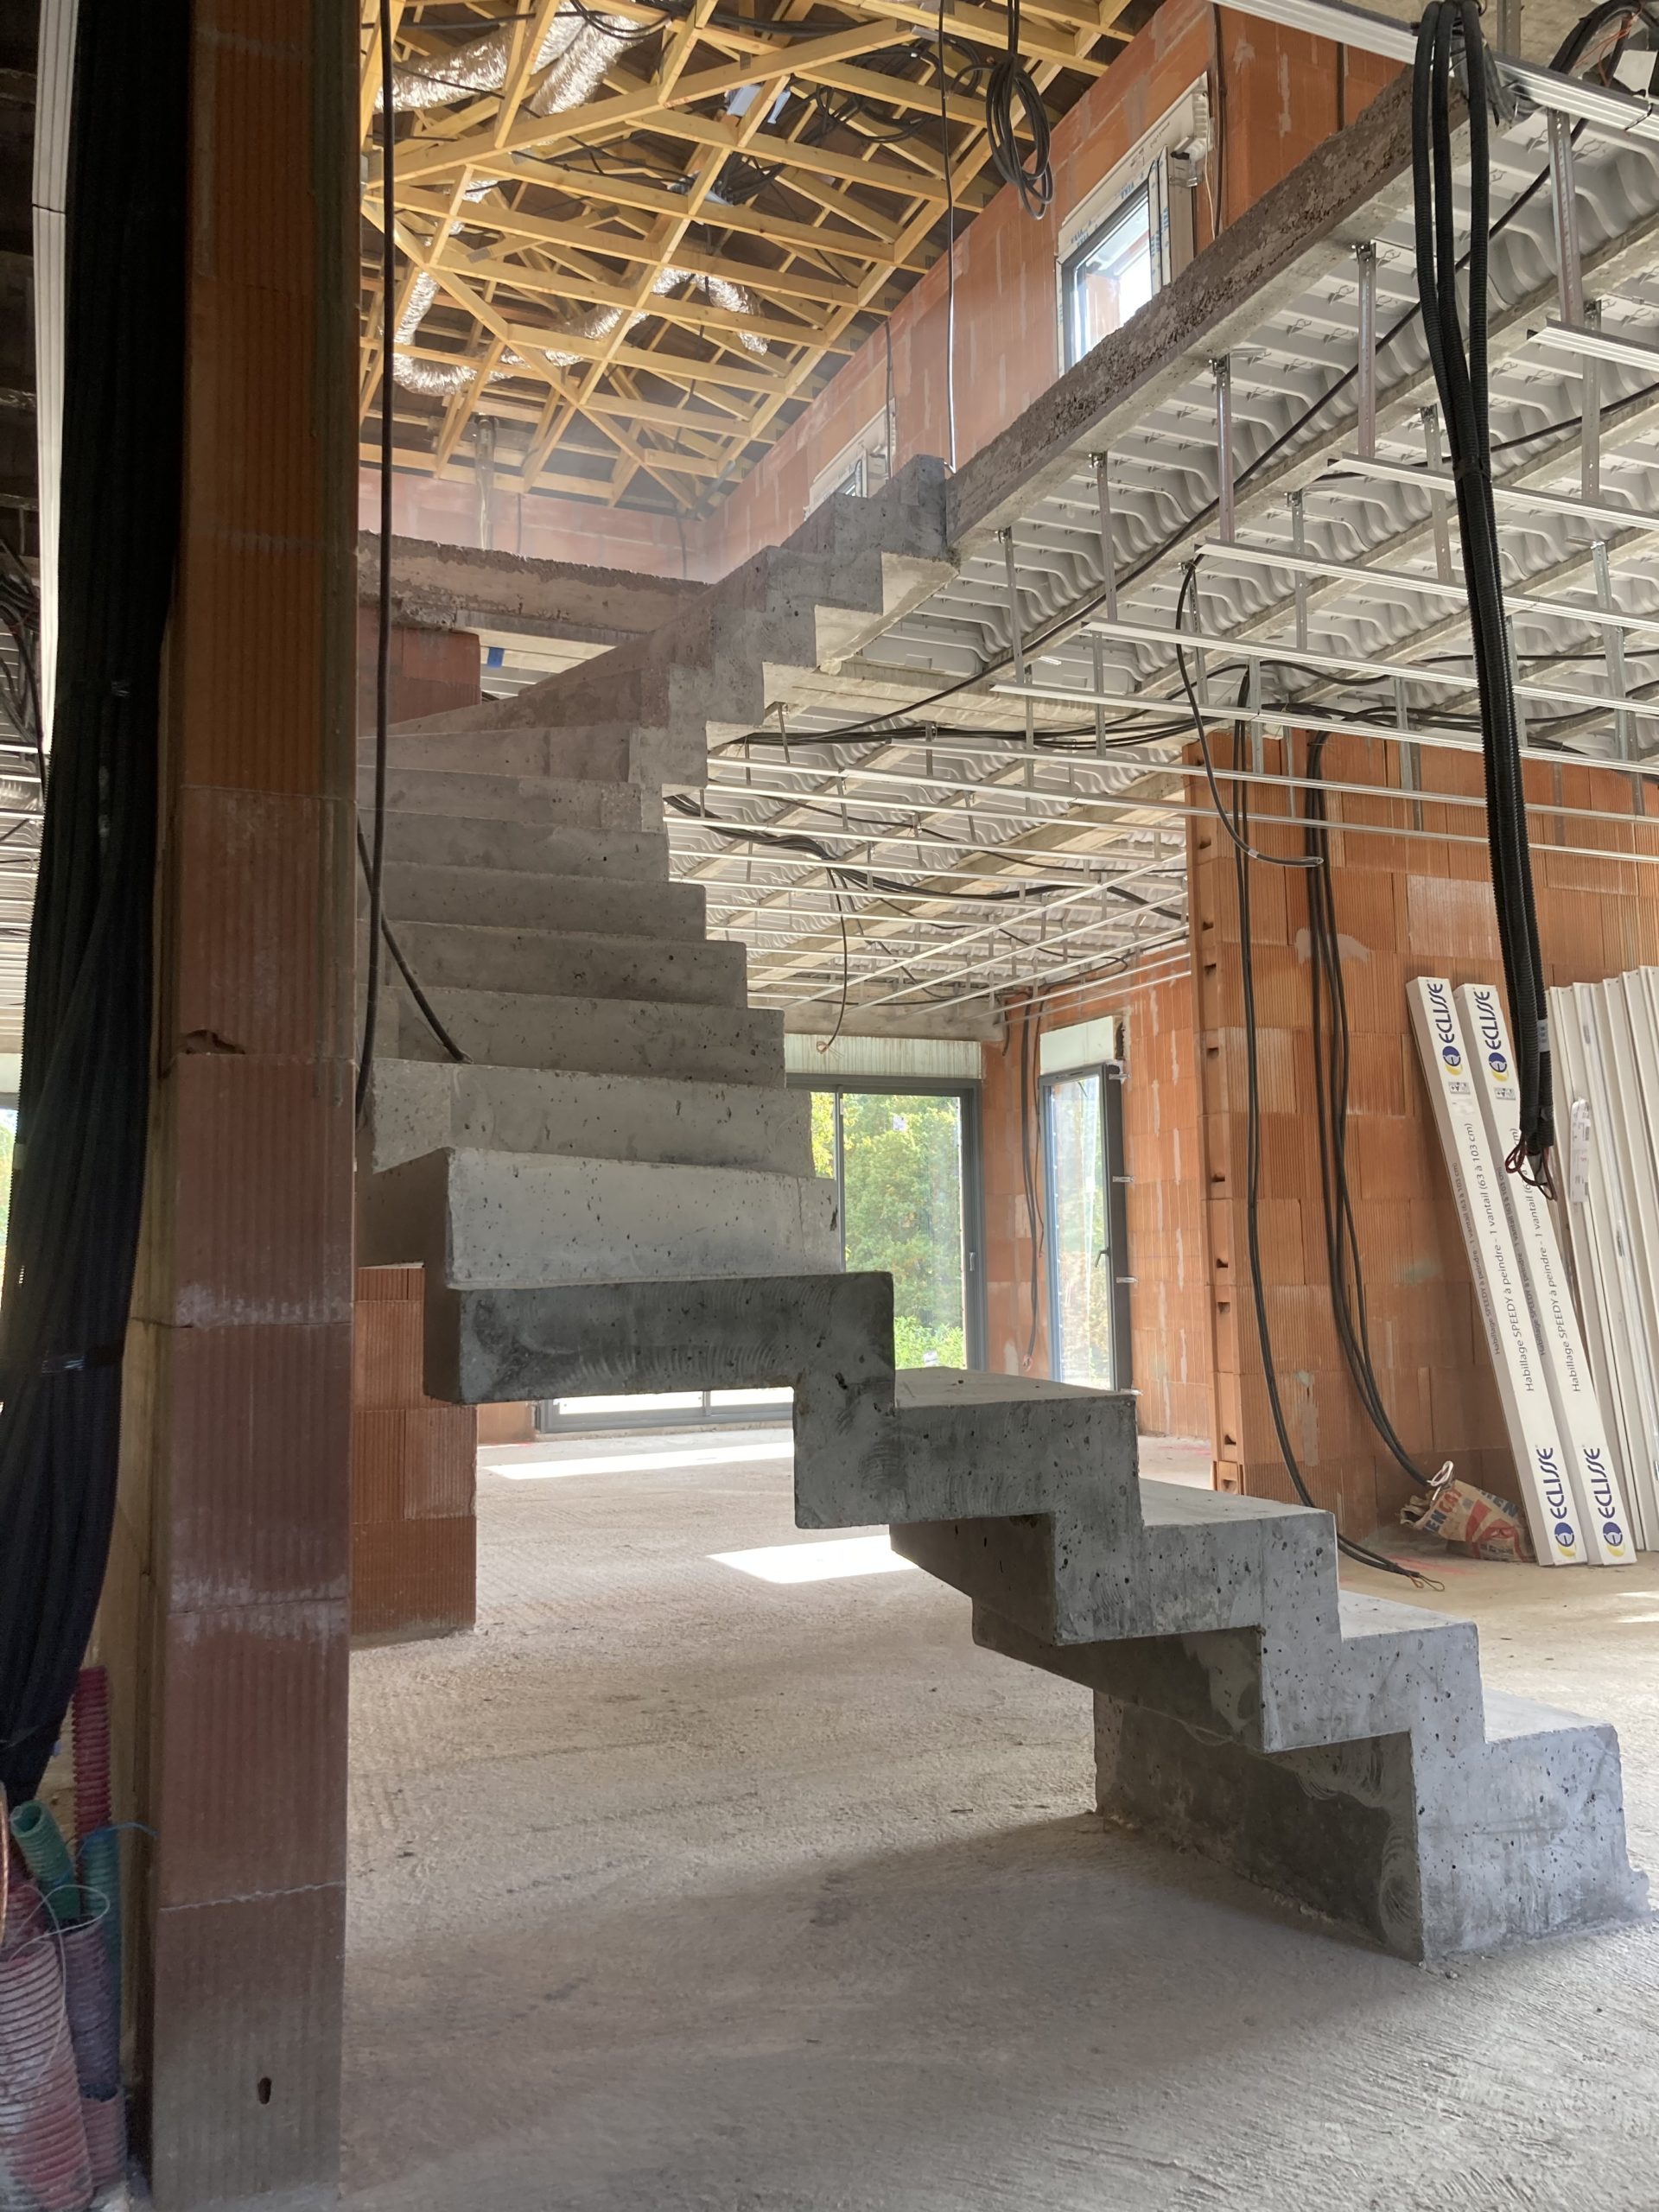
x: 1609, y: 1050
x: 1540, y: 1458
x: 1592, y: 1462
x: 1609, y: 1298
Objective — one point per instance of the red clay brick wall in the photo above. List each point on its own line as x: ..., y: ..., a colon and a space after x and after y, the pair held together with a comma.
x: 431, y: 670
x: 1169, y: 1299
x: 1280, y: 94
x: 1406, y: 906
x: 414, y: 1539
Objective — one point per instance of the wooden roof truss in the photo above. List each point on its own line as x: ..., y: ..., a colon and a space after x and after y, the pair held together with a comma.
x: 628, y: 297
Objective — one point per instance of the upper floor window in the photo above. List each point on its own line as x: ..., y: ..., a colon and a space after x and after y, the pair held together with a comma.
x: 862, y: 467
x: 1109, y: 275
x: 1124, y: 240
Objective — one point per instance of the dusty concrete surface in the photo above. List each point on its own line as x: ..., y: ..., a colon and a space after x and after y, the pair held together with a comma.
x: 677, y: 1890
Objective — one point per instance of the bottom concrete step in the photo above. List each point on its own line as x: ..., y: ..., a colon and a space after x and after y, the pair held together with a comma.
x: 418, y: 1106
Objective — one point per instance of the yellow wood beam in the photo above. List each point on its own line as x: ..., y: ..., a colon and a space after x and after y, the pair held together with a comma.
x: 511, y: 222
x: 596, y: 119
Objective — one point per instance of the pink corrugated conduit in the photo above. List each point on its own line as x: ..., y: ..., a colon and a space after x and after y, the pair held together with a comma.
x: 44, y: 2163
x: 92, y: 1745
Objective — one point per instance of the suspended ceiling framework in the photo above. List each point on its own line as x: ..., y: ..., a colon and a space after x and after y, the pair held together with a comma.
x: 957, y: 858
x: 633, y: 242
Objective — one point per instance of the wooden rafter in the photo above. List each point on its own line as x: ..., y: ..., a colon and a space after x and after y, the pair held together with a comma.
x: 731, y: 149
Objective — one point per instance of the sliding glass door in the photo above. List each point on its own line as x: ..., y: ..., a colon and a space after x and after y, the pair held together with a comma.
x: 906, y: 1166
x: 1087, y: 1271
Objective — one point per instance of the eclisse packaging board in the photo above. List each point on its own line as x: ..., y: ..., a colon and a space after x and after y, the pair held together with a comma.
x: 1542, y: 1458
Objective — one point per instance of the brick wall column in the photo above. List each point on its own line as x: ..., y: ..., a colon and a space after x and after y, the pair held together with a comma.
x: 225, y: 1615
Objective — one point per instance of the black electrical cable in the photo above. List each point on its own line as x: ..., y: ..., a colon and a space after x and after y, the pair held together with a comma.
x: 1010, y: 86
x: 429, y: 1015
x: 377, y: 861
x: 732, y: 833
x: 1332, y: 1059
x: 1240, y: 855
x: 1189, y: 587
x: 1461, y: 377
x: 1570, y: 422
x: 84, y: 1093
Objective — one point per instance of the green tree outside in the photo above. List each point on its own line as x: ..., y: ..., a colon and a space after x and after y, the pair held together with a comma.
x: 901, y: 1160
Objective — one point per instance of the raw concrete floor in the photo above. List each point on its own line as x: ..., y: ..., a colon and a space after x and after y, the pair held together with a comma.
x: 676, y: 1890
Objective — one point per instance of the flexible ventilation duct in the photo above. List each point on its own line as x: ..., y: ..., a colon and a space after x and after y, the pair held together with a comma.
x: 441, y: 380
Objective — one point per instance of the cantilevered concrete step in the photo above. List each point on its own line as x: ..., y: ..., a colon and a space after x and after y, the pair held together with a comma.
x: 647, y: 906
x: 419, y: 1106
x: 525, y: 848
x: 605, y: 751
x: 492, y: 1220
x: 569, y: 963
x: 553, y: 801
x: 590, y: 1036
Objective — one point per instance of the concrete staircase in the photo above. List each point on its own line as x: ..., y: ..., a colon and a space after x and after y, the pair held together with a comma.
x: 852, y: 569
x: 615, y: 1194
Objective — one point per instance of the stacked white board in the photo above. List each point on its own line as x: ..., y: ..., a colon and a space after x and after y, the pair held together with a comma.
x: 1592, y: 1462
x: 1604, y: 1046
x: 1477, y: 1174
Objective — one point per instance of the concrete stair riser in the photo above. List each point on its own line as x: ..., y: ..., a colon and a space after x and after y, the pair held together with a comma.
x: 507, y: 1222
x: 564, y: 803
x: 494, y: 747
x: 602, y: 1036
x: 498, y: 850
x: 633, y: 906
x: 418, y: 1107
x: 567, y: 963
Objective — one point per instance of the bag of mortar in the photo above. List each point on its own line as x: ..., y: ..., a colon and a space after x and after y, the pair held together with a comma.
x: 1484, y: 1526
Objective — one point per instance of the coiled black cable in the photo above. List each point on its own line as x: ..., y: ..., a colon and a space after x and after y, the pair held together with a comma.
x: 1008, y: 87
x: 1460, y: 379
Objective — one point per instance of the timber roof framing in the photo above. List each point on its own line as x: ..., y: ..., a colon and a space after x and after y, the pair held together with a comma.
x: 622, y: 269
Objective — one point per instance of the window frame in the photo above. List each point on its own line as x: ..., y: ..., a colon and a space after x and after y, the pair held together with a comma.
x: 1166, y: 163
x: 1072, y: 349
x: 867, y: 456
x: 1112, y: 1074
x: 973, y: 1181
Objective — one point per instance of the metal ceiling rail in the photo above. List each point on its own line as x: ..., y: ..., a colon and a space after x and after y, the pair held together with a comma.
x: 1263, y: 778
x: 1303, y: 421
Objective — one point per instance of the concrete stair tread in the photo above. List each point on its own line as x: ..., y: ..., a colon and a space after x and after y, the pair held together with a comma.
x: 937, y: 1386
x: 1510, y: 1719
x: 1176, y: 1505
